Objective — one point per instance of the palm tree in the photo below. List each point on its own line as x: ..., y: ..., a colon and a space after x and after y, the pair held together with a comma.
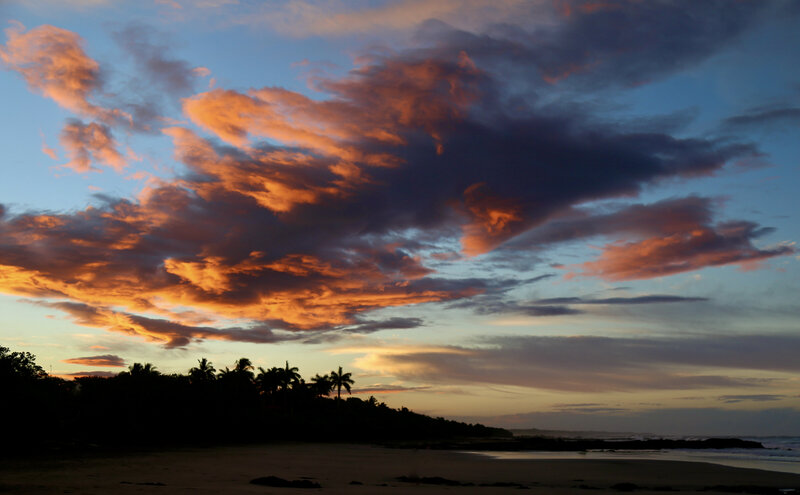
x: 203, y: 372
x: 244, y: 368
x: 141, y: 370
x: 224, y: 373
x: 340, y: 380
x: 322, y: 385
x: 268, y: 381
x: 289, y: 376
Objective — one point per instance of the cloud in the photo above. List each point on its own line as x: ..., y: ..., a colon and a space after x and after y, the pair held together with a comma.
x: 329, y: 18
x: 106, y: 360
x: 82, y: 374
x: 369, y: 104
x: 724, y: 244
x: 49, y: 152
x: 297, y: 214
x: 585, y: 409
x: 591, y: 364
x: 87, y: 143
x: 64, y: 4
x: 626, y: 43
x: 170, y: 333
x: 53, y: 63
x: 760, y: 117
x: 152, y: 58
x: 560, y: 306
x: 710, y: 421
x: 387, y: 389
x: 732, y: 399
x: 650, y: 299
x: 670, y: 236
x: 395, y: 323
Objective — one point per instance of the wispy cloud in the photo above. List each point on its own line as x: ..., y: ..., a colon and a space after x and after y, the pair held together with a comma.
x: 709, y: 421
x: 591, y: 364
x: 335, y: 18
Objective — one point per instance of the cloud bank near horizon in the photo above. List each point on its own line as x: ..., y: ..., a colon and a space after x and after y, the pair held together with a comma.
x: 592, y: 363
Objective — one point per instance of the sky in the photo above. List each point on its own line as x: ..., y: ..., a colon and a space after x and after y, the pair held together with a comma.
x: 558, y: 214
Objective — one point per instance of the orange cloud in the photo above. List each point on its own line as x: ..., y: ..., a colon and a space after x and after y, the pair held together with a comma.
x: 681, y: 252
x: 106, y: 266
x: 86, y: 143
x: 53, y: 63
x: 48, y: 150
x: 339, y: 139
x: 377, y: 103
x: 493, y: 220
x: 277, y: 180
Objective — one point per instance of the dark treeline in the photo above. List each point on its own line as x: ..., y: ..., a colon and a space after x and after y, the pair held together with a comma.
x: 143, y: 407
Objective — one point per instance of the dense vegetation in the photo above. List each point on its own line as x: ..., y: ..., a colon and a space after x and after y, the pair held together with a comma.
x: 143, y: 407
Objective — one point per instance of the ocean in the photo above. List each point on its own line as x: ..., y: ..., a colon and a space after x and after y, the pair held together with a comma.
x: 780, y: 454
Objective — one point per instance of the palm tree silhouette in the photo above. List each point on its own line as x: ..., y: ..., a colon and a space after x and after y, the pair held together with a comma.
x: 244, y: 368
x: 340, y: 380
x: 142, y: 370
x: 203, y: 372
x: 269, y: 381
x: 289, y: 376
x: 322, y: 385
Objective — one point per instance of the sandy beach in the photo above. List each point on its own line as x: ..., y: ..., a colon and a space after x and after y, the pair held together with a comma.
x: 360, y: 469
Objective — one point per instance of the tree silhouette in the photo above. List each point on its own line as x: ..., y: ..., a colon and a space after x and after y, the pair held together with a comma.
x: 340, y: 380
x: 289, y: 376
x: 244, y: 368
x: 268, y: 381
x: 204, y: 372
x: 321, y: 385
x: 139, y: 370
x: 19, y: 366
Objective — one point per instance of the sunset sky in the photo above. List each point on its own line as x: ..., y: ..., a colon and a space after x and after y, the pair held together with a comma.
x: 562, y: 214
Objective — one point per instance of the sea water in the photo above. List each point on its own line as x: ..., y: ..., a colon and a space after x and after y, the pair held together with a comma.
x: 780, y: 454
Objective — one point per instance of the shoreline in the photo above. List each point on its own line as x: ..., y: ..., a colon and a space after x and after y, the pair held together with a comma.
x: 744, y: 459
x: 363, y: 469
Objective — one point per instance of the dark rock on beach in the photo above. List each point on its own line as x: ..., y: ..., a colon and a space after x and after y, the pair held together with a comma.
x: 276, y: 482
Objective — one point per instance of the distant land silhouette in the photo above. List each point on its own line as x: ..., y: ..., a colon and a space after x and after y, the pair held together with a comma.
x: 143, y: 408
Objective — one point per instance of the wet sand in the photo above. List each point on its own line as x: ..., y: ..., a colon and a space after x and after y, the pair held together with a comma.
x: 228, y: 470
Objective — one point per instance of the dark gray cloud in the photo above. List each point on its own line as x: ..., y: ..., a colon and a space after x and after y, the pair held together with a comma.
x: 732, y: 399
x: 99, y: 374
x: 765, y: 117
x: 395, y: 323
x: 499, y: 307
x: 597, y: 409
x: 651, y: 299
x: 153, y: 58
